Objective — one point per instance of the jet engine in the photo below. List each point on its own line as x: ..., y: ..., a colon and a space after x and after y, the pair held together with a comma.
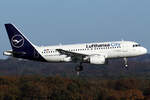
x: 67, y: 59
x: 97, y: 59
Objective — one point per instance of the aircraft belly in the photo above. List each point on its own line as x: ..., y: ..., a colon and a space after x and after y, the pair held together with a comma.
x: 54, y: 58
x: 116, y: 54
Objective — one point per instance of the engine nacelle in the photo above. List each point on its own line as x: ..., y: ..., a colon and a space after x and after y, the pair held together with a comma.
x: 67, y: 59
x: 97, y: 59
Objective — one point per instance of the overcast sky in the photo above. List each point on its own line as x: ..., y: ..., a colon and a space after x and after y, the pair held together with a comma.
x: 50, y: 22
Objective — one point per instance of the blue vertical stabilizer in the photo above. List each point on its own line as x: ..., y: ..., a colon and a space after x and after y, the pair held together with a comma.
x: 21, y: 46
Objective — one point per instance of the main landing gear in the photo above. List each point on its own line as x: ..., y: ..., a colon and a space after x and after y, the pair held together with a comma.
x: 125, y: 63
x: 79, y: 68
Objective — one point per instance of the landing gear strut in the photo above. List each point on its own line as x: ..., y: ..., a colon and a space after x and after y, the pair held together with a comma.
x: 79, y: 68
x: 126, y: 63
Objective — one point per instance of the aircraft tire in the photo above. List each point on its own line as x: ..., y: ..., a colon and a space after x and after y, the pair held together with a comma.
x: 79, y: 68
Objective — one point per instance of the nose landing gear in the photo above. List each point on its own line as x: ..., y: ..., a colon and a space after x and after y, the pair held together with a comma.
x: 126, y: 63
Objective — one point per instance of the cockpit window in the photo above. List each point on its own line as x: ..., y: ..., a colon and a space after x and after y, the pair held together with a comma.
x: 136, y: 45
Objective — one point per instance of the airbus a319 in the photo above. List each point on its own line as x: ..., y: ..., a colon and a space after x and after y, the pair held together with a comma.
x: 92, y: 53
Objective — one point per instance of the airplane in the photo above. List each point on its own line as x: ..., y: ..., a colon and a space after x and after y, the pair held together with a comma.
x: 92, y: 53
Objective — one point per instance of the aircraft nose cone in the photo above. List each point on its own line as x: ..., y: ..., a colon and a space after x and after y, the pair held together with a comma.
x: 144, y: 51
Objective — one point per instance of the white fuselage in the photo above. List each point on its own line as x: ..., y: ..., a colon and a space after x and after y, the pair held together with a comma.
x: 93, y: 53
x: 118, y: 49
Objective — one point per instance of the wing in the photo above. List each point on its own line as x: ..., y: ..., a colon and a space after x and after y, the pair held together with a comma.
x: 75, y: 56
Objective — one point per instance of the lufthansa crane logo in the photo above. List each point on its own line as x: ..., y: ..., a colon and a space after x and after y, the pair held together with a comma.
x: 17, y: 41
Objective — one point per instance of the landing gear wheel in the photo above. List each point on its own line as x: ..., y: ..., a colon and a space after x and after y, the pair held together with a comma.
x: 126, y: 63
x: 126, y: 66
x: 78, y: 69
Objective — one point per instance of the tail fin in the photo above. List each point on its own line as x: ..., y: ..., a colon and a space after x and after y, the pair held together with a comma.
x: 21, y: 46
x: 18, y: 42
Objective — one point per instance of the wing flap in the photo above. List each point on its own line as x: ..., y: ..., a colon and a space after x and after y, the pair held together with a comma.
x: 69, y: 53
x: 75, y: 56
